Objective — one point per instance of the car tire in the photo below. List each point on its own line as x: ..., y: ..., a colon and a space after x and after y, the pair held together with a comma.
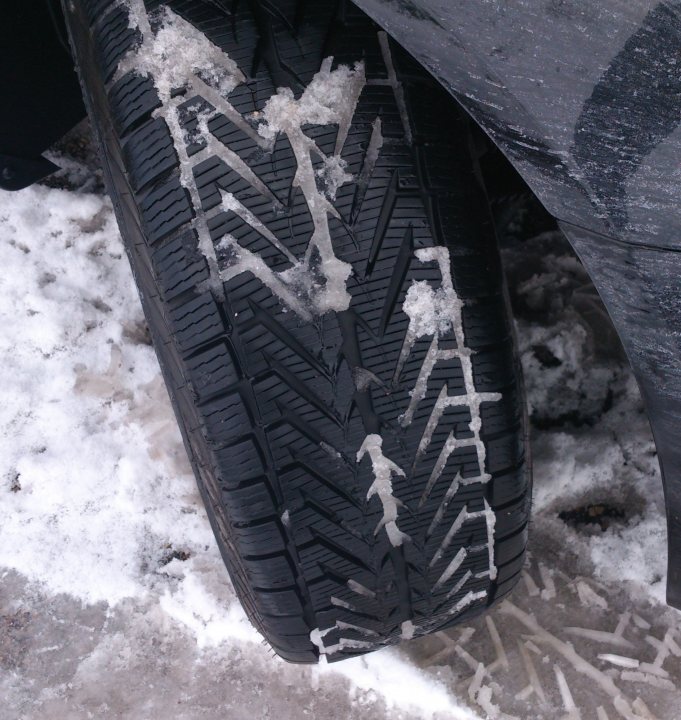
x: 307, y: 225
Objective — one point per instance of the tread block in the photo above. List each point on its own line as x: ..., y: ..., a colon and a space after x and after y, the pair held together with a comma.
x: 253, y: 538
x: 511, y: 547
x: 132, y: 100
x: 507, y: 486
x: 280, y: 602
x: 179, y: 265
x: 165, y: 208
x: 250, y: 504
x: 269, y: 573
x: 196, y: 321
x: 149, y: 153
x: 212, y: 371
x: 96, y: 9
x: 113, y: 38
x: 512, y: 517
x: 225, y: 419
x: 240, y: 462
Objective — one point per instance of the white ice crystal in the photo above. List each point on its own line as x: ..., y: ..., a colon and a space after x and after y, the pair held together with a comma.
x: 430, y: 311
x: 176, y: 52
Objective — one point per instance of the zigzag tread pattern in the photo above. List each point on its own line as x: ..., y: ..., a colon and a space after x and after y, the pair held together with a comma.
x: 275, y: 407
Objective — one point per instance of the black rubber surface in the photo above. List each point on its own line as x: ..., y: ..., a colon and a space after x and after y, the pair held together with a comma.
x: 274, y: 407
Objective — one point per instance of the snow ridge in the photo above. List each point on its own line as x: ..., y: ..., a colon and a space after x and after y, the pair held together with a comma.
x: 382, y: 486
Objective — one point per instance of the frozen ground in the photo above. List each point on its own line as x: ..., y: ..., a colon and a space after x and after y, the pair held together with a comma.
x: 114, y: 602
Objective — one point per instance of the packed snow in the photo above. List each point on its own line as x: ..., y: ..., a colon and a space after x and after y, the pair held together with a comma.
x: 383, y: 468
x: 191, y: 52
x: 317, y: 282
x: 114, y: 601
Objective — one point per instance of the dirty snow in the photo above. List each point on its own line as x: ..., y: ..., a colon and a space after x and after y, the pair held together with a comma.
x: 113, y: 598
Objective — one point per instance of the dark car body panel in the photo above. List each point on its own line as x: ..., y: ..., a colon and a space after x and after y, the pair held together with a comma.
x: 583, y: 98
x: 41, y: 97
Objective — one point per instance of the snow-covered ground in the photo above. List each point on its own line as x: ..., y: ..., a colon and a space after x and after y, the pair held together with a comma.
x: 114, y: 602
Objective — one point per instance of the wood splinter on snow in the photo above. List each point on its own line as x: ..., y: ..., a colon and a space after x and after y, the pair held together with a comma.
x: 619, y: 660
x: 566, y: 695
